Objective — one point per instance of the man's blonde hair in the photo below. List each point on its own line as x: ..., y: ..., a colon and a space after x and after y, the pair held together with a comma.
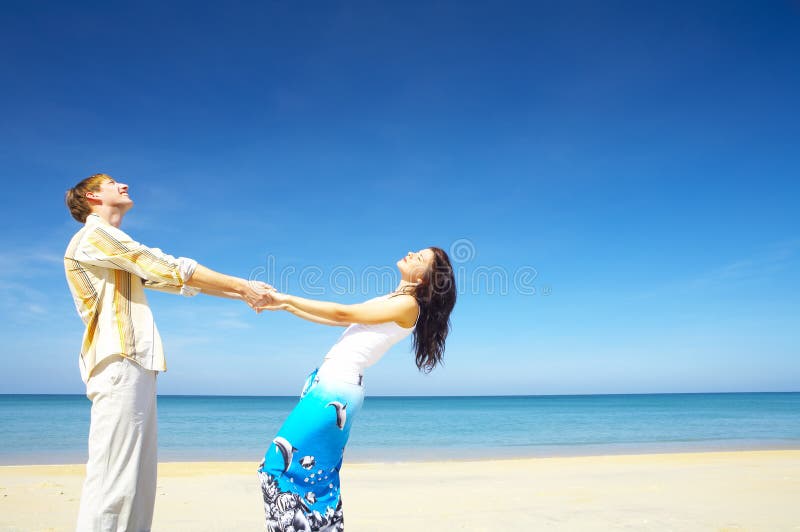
x: 76, y: 200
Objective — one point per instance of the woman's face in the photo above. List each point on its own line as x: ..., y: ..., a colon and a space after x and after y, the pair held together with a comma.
x: 414, y: 265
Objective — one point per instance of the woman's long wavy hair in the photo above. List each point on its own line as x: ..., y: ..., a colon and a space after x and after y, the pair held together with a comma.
x: 436, y: 297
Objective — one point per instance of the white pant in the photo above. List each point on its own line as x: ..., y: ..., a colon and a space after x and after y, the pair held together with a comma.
x: 120, y: 487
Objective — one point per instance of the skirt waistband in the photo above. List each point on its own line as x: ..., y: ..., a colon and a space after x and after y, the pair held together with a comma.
x: 341, y: 372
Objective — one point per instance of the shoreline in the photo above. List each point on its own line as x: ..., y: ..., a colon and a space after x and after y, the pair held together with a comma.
x: 717, y: 490
x: 698, y: 454
x: 378, y: 455
x: 467, y: 461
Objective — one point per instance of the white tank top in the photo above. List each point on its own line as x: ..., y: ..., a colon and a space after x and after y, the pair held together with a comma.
x: 361, y: 346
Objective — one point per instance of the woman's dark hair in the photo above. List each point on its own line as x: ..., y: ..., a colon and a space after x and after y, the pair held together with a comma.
x: 436, y: 297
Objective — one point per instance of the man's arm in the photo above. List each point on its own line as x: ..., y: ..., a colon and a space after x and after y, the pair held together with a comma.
x: 214, y: 283
x: 217, y: 293
x: 170, y: 288
x: 188, y: 290
x: 109, y: 247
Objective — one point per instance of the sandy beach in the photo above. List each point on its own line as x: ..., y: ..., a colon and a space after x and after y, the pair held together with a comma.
x: 751, y: 490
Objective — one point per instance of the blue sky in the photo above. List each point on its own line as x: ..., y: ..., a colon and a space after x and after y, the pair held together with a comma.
x: 640, y: 158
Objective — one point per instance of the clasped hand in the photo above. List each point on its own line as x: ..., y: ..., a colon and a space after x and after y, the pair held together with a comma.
x: 262, y: 296
x: 258, y: 294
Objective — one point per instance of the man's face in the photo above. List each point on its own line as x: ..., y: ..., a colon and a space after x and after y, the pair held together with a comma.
x: 113, y: 194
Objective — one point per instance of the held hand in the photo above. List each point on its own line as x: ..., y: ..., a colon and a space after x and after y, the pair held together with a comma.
x: 261, y: 285
x: 257, y: 294
x: 276, y: 302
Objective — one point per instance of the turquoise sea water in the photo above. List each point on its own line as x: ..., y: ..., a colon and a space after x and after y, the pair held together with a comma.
x: 42, y: 429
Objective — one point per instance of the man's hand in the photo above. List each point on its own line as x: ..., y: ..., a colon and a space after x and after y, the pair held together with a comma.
x: 257, y: 294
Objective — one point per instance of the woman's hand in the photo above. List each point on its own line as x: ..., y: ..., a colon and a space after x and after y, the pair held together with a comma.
x: 277, y: 301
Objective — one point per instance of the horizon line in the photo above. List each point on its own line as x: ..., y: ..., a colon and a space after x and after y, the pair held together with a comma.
x: 437, y: 396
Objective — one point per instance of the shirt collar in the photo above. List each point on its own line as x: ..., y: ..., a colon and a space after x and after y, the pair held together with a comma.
x: 95, y: 218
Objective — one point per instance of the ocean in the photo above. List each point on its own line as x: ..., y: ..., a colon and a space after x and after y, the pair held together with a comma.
x: 52, y: 429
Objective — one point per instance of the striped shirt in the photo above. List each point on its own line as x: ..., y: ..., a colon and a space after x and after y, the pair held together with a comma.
x: 107, y: 272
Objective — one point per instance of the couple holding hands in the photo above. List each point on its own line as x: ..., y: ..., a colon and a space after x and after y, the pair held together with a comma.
x: 121, y: 355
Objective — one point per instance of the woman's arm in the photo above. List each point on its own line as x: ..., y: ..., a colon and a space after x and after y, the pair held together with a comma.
x: 401, y: 309
x: 308, y: 317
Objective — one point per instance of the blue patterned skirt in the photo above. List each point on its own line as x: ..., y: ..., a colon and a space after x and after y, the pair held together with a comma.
x: 300, y: 471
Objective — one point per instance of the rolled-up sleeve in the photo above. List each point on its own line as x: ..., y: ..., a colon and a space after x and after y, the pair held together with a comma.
x: 184, y: 290
x: 109, y: 247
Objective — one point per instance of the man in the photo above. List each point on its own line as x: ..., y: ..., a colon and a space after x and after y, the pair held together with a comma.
x: 121, y: 353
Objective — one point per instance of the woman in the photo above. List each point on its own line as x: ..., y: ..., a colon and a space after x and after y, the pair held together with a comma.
x: 300, y: 471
